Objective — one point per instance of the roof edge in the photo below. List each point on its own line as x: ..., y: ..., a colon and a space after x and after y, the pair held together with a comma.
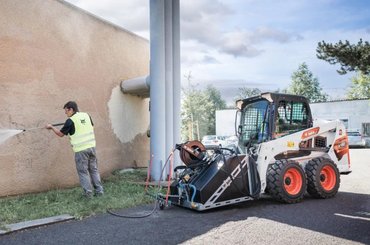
x: 339, y: 100
x: 74, y: 7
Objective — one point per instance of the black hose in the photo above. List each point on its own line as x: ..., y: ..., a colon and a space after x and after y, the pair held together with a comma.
x: 134, y: 216
x: 155, y: 202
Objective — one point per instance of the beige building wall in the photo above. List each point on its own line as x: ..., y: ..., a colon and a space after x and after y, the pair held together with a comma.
x: 50, y: 53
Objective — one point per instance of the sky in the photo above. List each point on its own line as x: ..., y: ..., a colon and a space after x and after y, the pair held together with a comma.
x: 251, y: 43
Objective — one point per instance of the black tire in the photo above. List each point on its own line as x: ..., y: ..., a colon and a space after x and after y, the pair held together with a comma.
x: 323, y: 178
x: 286, y: 181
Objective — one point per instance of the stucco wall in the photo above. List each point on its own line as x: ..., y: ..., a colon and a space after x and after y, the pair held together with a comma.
x: 50, y: 53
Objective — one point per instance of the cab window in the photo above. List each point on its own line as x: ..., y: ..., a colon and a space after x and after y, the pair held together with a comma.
x: 291, y: 117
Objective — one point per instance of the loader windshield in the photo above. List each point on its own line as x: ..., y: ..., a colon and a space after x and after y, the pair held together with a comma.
x: 253, y: 126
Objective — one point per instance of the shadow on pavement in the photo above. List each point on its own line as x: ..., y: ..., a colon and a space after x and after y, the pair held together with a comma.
x: 345, y: 216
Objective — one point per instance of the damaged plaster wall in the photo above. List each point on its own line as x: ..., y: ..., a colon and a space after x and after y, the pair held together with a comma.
x: 50, y: 53
x: 128, y: 116
x: 127, y: 121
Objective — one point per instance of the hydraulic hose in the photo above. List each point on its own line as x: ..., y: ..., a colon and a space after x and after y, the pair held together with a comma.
x: 194, y: 191
x: 155, y: 196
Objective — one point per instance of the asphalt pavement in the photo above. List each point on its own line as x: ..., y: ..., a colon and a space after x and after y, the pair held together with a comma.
x: 344, y: 219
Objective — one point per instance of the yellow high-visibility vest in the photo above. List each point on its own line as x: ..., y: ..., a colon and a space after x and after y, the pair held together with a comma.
x: 84, y: 137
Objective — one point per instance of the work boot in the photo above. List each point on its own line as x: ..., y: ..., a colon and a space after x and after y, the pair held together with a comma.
x: 99, y: 194
x: 87, y: 195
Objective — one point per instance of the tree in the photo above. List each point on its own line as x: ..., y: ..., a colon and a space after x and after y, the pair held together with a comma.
x: 199, y: 111
x: 304, y: 83
x: 360, y: 87
x: 244, y: 93
x: 351, y: 57
x: 281, y: 91
x: 194, y: 113
x: 217, y: 103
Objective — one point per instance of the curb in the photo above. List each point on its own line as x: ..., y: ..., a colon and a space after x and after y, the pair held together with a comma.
x: 34, y: 223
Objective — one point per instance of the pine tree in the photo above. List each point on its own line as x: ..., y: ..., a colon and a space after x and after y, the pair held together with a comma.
x: 351, y: 57
x: 305, y: 84
x: 360, y: 87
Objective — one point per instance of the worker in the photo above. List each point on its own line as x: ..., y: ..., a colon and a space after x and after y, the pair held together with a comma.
x: 79, y: 127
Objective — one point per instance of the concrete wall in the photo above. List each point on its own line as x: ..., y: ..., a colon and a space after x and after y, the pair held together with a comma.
x: 50, y: 53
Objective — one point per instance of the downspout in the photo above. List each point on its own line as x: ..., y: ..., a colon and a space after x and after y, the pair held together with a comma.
x: 139, y: 86
x: 157, y: 87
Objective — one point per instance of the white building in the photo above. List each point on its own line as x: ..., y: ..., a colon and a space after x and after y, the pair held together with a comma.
x: 355, y: 114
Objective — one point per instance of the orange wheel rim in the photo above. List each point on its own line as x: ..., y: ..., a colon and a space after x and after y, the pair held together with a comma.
x: 327, y: 178
x: 293, y: 181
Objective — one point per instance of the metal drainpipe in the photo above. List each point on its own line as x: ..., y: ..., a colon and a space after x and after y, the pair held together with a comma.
x: 169, y: 80
x: 138, y: 86
x: 164, y: 83
x: 176, y: 76
x: 157, y: 87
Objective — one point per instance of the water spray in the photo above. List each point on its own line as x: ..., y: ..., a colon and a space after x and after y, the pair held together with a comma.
x: 8, y: 133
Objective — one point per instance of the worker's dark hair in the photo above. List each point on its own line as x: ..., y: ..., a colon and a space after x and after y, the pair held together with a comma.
x: 71, y: 105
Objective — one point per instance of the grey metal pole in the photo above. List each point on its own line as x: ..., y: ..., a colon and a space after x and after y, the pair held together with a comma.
x: 169, y: 79
x: 157, y: 87
x: 176, y: 76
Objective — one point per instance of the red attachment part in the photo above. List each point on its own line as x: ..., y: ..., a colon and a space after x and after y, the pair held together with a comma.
x: 148, y: 173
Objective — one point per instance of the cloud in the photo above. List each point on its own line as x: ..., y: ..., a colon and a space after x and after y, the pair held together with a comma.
x: 203, y: 21
x: 245, y: 43
x: 266, y: 33
x: 131, y: 15
x: 253, y: 40
x: 210, y: 60
x: 238, y: 49
x: 204, y: 10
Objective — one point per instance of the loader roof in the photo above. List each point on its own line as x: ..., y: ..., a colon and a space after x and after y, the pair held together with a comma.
x: 271, y: 97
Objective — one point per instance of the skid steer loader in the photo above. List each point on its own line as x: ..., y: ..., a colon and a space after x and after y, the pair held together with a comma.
x: 282, y: 152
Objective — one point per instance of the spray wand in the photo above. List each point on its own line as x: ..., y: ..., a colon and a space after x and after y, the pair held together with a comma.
x: 55, y: 124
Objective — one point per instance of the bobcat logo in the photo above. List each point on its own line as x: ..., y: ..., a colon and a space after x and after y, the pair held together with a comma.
x: 83, y: 121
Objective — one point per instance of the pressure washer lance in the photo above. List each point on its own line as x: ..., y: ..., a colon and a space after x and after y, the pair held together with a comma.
x: 55, y: 124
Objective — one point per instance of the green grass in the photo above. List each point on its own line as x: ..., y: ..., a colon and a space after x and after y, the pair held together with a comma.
x: 120, y: 192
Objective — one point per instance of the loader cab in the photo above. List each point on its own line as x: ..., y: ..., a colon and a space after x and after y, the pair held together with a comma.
x: 270, y: 116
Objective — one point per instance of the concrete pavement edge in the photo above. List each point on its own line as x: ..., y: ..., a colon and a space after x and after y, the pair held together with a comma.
x: 34, y: 223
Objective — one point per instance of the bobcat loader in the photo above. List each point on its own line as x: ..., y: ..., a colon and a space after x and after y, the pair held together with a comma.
x: 281, y: 152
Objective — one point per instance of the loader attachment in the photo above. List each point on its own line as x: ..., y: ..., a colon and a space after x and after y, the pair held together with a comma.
x: 216, y: 180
